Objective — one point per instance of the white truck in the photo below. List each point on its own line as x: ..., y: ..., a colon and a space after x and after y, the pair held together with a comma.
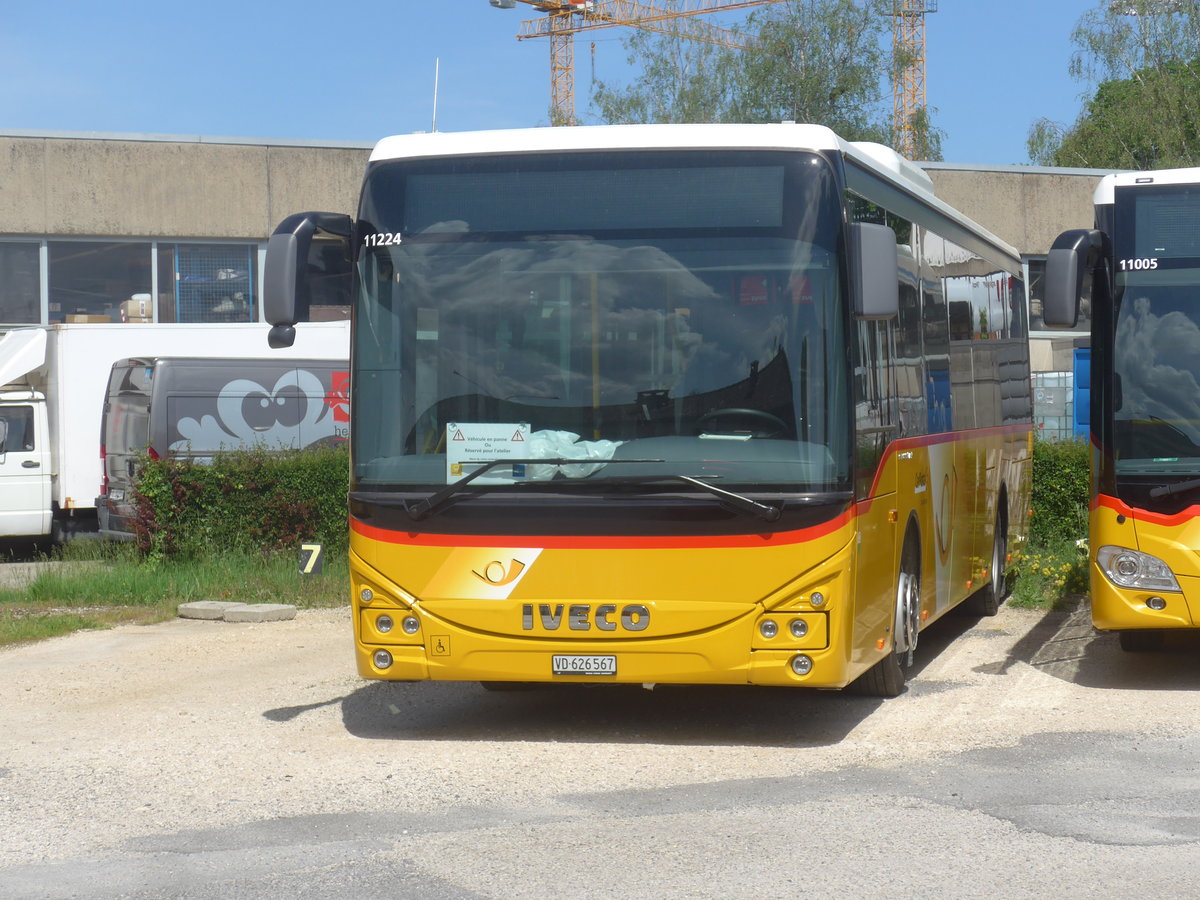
x: 53, y: 383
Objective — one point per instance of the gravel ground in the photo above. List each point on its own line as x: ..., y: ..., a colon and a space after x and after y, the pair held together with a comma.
x: 110, y: 738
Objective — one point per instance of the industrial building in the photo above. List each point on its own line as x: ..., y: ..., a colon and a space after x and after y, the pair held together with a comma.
x: 118, y: 227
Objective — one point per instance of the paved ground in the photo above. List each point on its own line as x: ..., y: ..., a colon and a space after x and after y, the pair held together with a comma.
x: 1029, y: 757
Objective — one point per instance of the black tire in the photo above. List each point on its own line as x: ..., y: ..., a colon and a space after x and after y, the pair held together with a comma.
x: 505, y: 687
x: 1146, y: 640
x: 886, y: 678
x: 988, y: 600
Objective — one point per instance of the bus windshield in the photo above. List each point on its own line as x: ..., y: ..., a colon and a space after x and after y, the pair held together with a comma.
x: 592, y: 319
x: 1156, y: 355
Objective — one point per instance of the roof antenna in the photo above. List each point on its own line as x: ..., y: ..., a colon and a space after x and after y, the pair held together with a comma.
x: 436, y: 65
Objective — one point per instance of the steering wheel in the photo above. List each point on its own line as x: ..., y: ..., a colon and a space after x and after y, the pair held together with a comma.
x: 763, y: 424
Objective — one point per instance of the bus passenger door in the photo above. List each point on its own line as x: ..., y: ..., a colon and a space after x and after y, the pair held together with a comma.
x: 874, y: 407
x: 875, y: 481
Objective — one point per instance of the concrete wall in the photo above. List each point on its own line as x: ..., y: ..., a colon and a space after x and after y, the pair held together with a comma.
x: 1025, y: 206
x: 169, y: 188
x: 183, y: 187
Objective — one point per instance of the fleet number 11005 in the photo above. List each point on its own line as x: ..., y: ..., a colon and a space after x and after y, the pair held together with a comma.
x: 1137, y: 265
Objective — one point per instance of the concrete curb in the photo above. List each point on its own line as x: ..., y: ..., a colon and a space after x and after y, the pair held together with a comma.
x: 214, y: 610
x: 19, y: 575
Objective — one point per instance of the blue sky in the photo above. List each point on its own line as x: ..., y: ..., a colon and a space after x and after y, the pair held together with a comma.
x: 360, y: 71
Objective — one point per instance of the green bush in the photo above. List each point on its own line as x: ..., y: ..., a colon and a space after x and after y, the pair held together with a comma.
x: 1061, y: 492
x: 1053, y: 566
x: 243, y: 501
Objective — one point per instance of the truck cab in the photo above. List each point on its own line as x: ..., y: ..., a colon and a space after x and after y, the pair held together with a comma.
x: 25, y: 464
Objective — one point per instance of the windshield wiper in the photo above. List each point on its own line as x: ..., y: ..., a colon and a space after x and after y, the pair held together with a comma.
x: 1169, y: 490
x: 439, y: 499
x: 739, y: 502
x: 735, y: 501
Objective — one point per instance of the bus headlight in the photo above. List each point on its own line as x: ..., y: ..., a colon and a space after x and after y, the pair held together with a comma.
x: 382, y: 659
x: 1133, y: 569
x: 384, y: 624
x: 411, y: 625
x: 768, y: 629
x: 798, y: 628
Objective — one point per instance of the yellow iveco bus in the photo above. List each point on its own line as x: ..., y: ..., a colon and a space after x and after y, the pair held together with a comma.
x: 1140, y: 270
x: 721, y: 404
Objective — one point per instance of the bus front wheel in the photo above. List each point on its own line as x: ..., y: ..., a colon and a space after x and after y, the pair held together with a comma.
x: 886, y: 677
x: 1146, y: 640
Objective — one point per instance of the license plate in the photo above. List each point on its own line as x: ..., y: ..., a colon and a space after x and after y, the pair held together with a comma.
x: 578, y: 664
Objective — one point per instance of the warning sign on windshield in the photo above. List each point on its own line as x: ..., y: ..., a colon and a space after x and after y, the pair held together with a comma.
x: 472, y: 444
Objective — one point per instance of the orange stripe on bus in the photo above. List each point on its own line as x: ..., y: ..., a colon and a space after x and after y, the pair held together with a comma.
x: 942, y: 437
x: 604, y: 542
x: 1144, y: 515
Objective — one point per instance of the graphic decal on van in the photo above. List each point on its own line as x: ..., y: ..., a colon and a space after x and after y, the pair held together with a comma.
x: 297, y: 411
x: 338, y: 397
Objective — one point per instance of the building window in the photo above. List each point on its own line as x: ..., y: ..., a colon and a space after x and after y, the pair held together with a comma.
x: 214, y: 282
x: 20, y: 284
x: 89, y: 280
x: 115, y: 281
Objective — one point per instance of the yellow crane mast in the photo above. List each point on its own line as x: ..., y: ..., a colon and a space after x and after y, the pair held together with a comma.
x: 566, y: 18
x: 908, y: 82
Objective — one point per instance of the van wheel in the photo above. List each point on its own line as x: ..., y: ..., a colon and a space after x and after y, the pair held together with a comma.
x: 886, y: 677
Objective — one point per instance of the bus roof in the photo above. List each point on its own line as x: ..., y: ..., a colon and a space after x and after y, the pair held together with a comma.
x: 608, y: 137
x: 1109, y: 183
x: 877, y: 158
x: 783, y: 136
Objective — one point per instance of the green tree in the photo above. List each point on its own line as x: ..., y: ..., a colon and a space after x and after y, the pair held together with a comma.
x: 928, y: 138
x: 679, y: 80
x: 817, y: 61
x: 1145, y: 110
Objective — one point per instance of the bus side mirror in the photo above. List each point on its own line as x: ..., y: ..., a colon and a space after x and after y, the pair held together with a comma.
x: 875, y: 270
x: 297, y: 254
x: 1068, y: 282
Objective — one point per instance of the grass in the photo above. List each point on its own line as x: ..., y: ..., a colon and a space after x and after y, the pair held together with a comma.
x: 100, y: 585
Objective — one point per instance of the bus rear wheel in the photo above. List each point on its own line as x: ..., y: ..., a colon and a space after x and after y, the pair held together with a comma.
x: 987, y: 600
x: 886, y: 678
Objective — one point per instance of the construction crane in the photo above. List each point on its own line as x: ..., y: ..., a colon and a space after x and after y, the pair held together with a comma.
x: 908, y: 83
x: 566, y: 18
